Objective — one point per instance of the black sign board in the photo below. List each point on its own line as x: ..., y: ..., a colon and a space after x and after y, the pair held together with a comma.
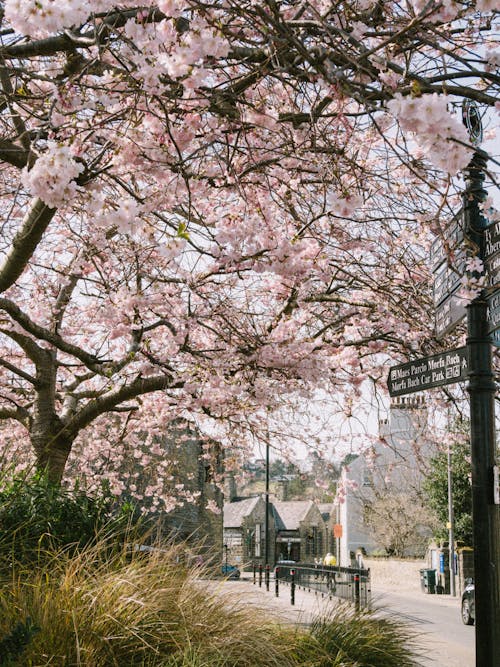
x: 492, y: 253
x: 448, y: 314
x: 494, y: 312
x: 453, y: 235
x: 447, y: 280
x: 435, y: 371
x: 492, y: 240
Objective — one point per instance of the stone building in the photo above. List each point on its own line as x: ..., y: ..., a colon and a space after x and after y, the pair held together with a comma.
x: 198, y: 473
x: 301, y: 532
x: 297, y: 531
x: 244, y: 531
x: 395, y: 465
x: 329, y: 514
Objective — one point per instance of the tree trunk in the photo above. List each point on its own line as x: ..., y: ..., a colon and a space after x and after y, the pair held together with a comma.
x: 52, y: 455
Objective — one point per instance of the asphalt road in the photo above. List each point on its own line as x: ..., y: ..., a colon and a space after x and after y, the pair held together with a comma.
x: 444, y: 639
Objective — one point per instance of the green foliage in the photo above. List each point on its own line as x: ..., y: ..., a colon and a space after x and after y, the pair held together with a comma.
x: 436, y: 491
x: 36, y: 514
x: 347, y: 638
x: 12, y: 646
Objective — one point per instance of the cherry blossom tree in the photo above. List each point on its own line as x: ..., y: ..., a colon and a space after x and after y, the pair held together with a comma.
x: 214, y: 209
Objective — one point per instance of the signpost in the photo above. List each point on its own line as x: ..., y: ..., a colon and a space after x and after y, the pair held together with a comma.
x: 474, y: 363
x: 449, y: 308
x: 428, y: 372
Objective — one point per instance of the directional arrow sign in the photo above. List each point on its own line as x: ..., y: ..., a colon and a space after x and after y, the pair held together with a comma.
x: 448, y: 314
x: 435, y: 371
x: 492, y: 253
x: 453, y: 237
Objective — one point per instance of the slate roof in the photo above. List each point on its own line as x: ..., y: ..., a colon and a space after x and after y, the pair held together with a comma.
x: 326, y: 510
x: 235, y: 512
x: 288, y: 514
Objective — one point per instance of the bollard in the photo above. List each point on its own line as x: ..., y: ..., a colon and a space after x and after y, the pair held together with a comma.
x: 260, y: 575
x: 292, y: 587
x: 267, y: 577
x: 356, y: 591
x: 276, y: 582
x: 254, y: 573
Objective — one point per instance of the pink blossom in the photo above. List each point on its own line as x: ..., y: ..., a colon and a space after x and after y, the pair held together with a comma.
x: 52, y: 176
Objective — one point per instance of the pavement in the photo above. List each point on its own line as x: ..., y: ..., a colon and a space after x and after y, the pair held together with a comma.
x: 407, y: 605
x: 308, y: 605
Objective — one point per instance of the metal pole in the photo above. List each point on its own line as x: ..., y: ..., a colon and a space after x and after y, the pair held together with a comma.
x: 481, y: 388
x: 451, y: 528
x: 266, y: 521
x: 337, y: 515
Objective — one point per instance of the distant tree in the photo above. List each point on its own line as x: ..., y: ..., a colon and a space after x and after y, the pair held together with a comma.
x: 436, y: 491
x: 280, y: 467
x: 399, y: 522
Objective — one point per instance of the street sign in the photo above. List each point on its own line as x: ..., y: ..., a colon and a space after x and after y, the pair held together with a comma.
x: 454, y: 235
x: 492, y: 253
x: 429, y: 372
x: 448, y: 279
x: 494, y: 312
x: 448, y: 314
x: 337, y: 530
x: 492, y: 239
x: 495, y: 338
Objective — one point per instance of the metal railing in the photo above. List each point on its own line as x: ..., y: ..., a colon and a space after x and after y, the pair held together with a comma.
x: 348, y: 583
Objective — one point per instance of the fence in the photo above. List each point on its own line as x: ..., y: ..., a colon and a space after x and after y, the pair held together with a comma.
x: 348, y: 583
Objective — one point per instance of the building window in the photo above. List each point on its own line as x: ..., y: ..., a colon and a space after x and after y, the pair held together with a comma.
x: 314, y: 542
x: 367, y: 477
x: 258, y: 540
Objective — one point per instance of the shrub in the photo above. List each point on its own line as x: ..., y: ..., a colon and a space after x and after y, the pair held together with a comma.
x: 111, y: 604
x: 36, y: 515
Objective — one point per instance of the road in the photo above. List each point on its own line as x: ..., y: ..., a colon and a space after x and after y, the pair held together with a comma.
x: 446, y: 641
x: 440, y: 634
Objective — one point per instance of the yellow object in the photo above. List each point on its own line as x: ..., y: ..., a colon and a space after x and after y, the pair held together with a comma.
x: 329, y: 559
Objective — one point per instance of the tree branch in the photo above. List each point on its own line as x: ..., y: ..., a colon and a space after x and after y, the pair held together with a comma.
x: 35, y: 222
x: 54, y: 339
x: 110, y: 401
x: 17, y: 371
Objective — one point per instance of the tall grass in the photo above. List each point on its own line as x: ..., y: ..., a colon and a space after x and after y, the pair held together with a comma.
x: 106, y: 604
x: 349, y: 638
x: 103, y: 608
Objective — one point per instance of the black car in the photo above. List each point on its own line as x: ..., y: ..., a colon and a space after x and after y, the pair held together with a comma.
x: 468, y: 606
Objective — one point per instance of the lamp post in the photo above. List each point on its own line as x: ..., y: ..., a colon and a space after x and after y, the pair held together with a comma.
x: 451, y: 528
x: 266, y: 520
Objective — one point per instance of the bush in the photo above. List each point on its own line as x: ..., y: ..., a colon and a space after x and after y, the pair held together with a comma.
x: 36, y: 515
x: 104, y: 607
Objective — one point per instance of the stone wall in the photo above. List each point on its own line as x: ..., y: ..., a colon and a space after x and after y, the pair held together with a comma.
x: 395, y: 574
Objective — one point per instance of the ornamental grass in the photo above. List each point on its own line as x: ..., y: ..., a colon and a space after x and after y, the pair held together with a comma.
x: 345, y: 637
x: 106, y: 607
x: 110, y: 606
